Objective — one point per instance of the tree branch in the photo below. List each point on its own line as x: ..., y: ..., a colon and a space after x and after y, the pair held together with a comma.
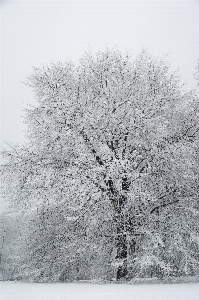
x: 86, y: 139
x: 163, y: 205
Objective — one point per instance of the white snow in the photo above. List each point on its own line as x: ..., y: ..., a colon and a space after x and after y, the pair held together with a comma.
x: 84, y: 291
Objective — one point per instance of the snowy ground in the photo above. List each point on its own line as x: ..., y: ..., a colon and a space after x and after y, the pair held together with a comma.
x: 85, y: 291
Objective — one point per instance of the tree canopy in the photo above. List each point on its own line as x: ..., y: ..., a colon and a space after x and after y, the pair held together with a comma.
x: 109, y: 177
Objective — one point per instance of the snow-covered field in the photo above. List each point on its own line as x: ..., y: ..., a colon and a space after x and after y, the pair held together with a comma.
x: 84, y: 291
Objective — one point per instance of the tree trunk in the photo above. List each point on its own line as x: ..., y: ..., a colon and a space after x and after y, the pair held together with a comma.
x: 121, y: 241
x: 122, y: 227
x: 121, y: 220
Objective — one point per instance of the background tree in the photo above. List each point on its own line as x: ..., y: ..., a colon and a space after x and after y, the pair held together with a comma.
x: 112, y: 144
x: 9, y: 233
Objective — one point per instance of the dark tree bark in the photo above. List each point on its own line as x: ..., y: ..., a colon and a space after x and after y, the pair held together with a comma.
x: 122, y: 226
x: 121, y: 240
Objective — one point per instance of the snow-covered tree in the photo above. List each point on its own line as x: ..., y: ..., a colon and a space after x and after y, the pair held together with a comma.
x: 54, y: 247
x: 112, y: 142
x: 9, y: 232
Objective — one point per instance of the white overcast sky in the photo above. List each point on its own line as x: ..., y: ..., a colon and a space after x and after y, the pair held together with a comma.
x: 34, y: 33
